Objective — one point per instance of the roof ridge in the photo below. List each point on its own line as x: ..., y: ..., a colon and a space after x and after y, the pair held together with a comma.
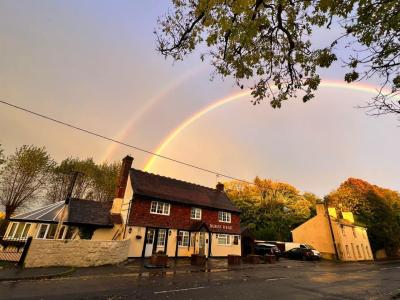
x: 177, y: 180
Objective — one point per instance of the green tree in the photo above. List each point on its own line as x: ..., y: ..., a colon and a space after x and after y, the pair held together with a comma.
x: 271, y: 41
x: 23, y: 178
x: 383, y: 225
x: 271, y: 209
x: 95, y: 182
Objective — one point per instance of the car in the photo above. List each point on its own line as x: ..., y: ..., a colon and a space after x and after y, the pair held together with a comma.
x: 301, y: 254
x: 267, y: 249
x: 316, y: 253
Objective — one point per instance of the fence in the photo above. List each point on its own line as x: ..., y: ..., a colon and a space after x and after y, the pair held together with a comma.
x: 14, y: 249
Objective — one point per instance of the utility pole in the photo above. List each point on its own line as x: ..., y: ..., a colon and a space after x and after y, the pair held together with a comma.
x: 67, y: 199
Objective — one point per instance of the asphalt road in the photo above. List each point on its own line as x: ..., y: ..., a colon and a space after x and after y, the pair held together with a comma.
x: 285, y: 280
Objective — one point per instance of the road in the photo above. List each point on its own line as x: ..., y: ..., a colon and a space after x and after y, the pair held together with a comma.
x: 285, y: 280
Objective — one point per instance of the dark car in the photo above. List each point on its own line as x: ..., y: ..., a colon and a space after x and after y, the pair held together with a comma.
x: 301, y: 254
x: 267, y: 249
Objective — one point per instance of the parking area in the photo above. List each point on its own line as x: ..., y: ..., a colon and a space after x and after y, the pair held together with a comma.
x: 287, y: 279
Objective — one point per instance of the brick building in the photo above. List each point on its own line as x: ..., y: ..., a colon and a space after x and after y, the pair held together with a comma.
x: 162, y: 214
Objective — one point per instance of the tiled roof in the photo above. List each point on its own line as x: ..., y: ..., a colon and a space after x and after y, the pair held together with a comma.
x: 165, y: 188
x: 87, y: 212
x: 80, y: 212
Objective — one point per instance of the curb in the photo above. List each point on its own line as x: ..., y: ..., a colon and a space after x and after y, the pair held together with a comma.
x: 39, y: 277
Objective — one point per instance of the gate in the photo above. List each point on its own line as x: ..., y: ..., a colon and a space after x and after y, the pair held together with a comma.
x: 14, y: 250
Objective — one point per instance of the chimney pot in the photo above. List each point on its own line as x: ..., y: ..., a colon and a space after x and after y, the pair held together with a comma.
x: 220, y: 187
x: 123, y: 176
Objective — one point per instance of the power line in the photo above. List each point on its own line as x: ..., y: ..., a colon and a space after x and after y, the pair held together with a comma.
x: 119, y: 142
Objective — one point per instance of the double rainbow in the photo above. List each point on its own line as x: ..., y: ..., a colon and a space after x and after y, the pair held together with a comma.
x: 220, y: 102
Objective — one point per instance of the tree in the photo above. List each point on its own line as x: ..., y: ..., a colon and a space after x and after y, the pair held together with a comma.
x: 1, y: 156
x: 271, y: 41
x: 95, y: 182
x: 271, y: 209
x: 23, y: 178
x: 374, y: 206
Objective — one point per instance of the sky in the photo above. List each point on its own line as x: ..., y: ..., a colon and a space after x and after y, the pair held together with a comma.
x: 94, y: 64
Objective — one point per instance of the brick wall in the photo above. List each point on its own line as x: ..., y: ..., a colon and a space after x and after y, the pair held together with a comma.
x: 179, y: 218
x: 75, y: 253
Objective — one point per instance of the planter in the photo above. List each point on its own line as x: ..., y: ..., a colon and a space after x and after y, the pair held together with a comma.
x: 269, y: 259
x: 234, y: 259
x: 159, y: 260
x: 253, y: 259
x: 198, y: 260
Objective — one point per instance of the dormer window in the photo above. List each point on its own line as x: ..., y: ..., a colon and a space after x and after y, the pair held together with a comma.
x: 195, y: 213
x: 224, y: 216
x: 160, y: 208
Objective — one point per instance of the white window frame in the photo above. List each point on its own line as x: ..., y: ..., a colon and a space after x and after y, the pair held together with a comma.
x: 12, y: 231
x: 195, y: 213
x: 23, y: 230
x: 160, y: 208
x: 12, y: 234
x: 64, y: 232
x: 45, y: 233
x: 164, y: 237
x: 48, y: 231
x: 184, y: 241
x: 224, y: 217
x: 226, y: 237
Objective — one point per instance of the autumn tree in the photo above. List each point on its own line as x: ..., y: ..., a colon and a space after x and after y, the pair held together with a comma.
x: 271, y: 209
x: 23, y: 177
x: 95, y: 182
x: 272, y: 42
x: 374, y: 206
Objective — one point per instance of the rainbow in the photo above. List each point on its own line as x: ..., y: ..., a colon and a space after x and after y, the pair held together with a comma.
x: 220, y: 102
x: 122, y: 134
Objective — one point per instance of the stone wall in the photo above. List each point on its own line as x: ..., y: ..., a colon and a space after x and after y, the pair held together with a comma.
x: 75, y: 253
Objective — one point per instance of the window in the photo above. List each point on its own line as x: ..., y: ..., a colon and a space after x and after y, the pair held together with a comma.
x: 42, y: 231
x: 195, y: 213
x: 343, y: 230
x: 161, y: 237
x: 224, y: 239
x: 354, y: 232
x: 224, y: 216
x: 25, y: 231
x: 62, y: 233
x: 51, y: 232
x: 150, y: 236
x: 12, y: 230
x: 159, y: 208
x: 19, y: 230
x: 358, y: 251
x: 347, y: 250
x: 183, y: 238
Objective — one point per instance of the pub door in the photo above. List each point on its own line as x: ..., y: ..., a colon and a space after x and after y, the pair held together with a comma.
x: 148, y: 250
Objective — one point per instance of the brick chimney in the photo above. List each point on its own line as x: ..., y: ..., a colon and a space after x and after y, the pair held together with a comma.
x: 123, y: 176
x: 220, y: 187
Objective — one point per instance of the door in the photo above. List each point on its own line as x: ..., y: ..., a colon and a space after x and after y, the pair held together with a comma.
x: 161, y: 239
x: 148, y: 251
x: 202, y: 243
